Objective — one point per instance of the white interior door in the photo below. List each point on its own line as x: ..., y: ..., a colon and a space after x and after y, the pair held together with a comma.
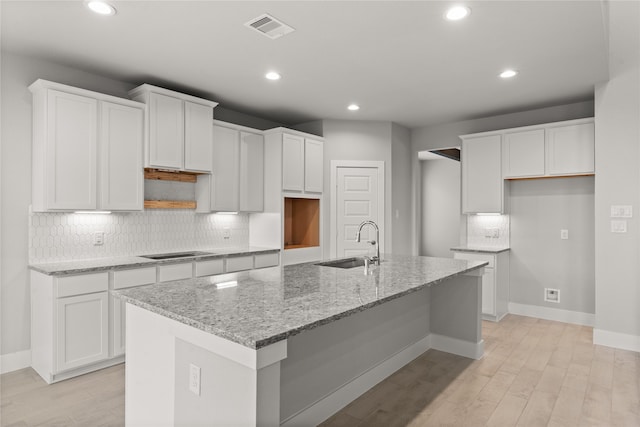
x: 357, y: 200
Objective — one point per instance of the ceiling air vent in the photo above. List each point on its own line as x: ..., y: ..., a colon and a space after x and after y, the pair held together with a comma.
x: 269, y: 26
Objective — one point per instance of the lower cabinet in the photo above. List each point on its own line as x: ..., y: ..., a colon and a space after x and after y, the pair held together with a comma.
x: 495, y: 282
x: 82, y: 330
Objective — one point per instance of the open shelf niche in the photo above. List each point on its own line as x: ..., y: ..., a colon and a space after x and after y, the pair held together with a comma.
x: 301, y: 223
x: 177, y: 177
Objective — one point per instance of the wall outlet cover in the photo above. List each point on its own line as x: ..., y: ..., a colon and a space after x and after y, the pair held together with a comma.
x: 194, y: 379
x: 552, y: 295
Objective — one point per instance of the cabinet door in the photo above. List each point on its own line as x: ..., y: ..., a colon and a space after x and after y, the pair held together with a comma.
x: 121, y: 147
x: 72, y: 135
x: 82, y: 330
x: 251, y: 172
x: 225, y: 177
x: 570, y: 149
x: 198, y: 137
x: 482, y: 183
x: 488, y: 292
x: 523, y: 154
x: 292, y: 163
x: 118, y: 314
x: 313, y: 165
x: 166, y: 131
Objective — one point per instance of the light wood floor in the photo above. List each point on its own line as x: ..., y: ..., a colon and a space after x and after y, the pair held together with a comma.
x: 534, y: 373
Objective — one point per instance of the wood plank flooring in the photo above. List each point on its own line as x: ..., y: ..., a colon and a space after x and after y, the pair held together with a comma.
x: 534, y: 373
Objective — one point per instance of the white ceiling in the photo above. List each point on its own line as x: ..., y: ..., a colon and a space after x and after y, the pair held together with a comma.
x: 400, y: 60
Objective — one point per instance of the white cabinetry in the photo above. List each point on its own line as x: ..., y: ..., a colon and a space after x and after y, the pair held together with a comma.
x: 123, y: 279
x: 495, y: 282
x: 570, y: 148
x: 553, y: 149
x: 69, y: 324
x: 482, y: 183
x: 523, y: 154
x: 302, y: 164
x: 236, y: 183
x: 179, y: 129
x: 87, y: 150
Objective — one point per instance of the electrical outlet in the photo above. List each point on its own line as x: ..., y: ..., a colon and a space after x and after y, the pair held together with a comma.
x: 98, y: 238
x: 226, y: 233
x: 488, y: 233
x: 551, y: 295
x: 496, y: 233
x: 564, y: 234
x: 618, y: 226
x: 194, y: 379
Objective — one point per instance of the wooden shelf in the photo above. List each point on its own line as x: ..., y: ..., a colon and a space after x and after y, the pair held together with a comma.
x: 163, y: 175
x: 169, y: 204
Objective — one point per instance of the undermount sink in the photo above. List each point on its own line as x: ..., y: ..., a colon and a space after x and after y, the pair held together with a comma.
x: 343, y: 263
x: 176, y: 255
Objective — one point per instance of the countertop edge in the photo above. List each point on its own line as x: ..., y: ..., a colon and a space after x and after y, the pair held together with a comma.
x: 134, y: 262
x: 474, y: 249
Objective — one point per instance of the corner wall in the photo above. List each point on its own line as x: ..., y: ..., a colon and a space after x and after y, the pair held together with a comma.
x: 618, y: 183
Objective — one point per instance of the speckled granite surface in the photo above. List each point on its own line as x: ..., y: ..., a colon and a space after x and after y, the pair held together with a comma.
x: 272, y: 304
x: 101, y: 264
x: 481, y: 249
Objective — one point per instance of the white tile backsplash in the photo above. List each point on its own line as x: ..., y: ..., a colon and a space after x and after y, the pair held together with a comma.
x: 479, y: 226
x: 66, y: 236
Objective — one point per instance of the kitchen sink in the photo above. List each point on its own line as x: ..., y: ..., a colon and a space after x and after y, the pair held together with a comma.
x: 176, y: 255
x: 343, y: 263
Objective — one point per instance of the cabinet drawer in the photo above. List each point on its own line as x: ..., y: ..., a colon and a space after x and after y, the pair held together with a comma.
x: 266, y: 260
x: 239, y: 263
x: 209, y: 267
x: 134, y: 277
x: 175, y: 272
x: 82, y: 284
x: 491, y: 259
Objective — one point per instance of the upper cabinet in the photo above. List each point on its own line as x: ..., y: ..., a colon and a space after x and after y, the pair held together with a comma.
x: 554, y: 149
x: 302, y: 162
x: 570, y: 148
x: 179, y: 129
x: 482, y: 183
x: 87, y: 150
x: 236, y: 183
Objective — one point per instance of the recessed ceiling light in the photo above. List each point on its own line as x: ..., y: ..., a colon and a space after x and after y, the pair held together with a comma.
x: 457, y: 13
x: 353, y: 107
x: 272, y: 75
x: 101, y: 7
x: 507, y: 74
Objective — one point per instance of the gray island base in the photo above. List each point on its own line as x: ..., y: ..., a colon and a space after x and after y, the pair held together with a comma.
x: 290, y: 345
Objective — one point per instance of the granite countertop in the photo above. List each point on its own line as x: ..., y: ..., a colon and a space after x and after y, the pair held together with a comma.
x: 269, y: 305
x: 481, y: 249
x: 107, y: 263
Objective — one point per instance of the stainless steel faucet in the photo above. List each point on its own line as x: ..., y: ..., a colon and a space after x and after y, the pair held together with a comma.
x: 376, y: 259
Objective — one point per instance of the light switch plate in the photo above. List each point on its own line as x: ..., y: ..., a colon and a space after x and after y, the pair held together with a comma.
x: 564, y: 234
x: 621, y: 211
x: 98, y: 238
x: 194, y: 379
x: 618, y: 226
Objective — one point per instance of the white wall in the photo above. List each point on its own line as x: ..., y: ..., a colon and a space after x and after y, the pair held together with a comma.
x: 539, y: 259
x: 618, y: 183
x: 401, y: 200
x: 441, y: 216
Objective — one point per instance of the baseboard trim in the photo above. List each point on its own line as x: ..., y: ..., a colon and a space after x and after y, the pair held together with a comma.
x: 332, y: 403
x: 455, y: 346
x: 557, y: 314
x: 13, y: 361
x: 616, y: 340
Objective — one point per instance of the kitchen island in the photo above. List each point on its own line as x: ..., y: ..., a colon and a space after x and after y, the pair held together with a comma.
x: 291, y: 345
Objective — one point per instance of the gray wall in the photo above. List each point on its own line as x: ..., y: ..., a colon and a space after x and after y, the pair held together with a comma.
x: 441, y: 217
x: 539, y: 209
x: 401, y: 200
x: 618, y: 177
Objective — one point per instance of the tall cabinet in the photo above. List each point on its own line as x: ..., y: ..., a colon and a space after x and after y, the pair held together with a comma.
x: 292, y: 219
x: 87, y: 150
